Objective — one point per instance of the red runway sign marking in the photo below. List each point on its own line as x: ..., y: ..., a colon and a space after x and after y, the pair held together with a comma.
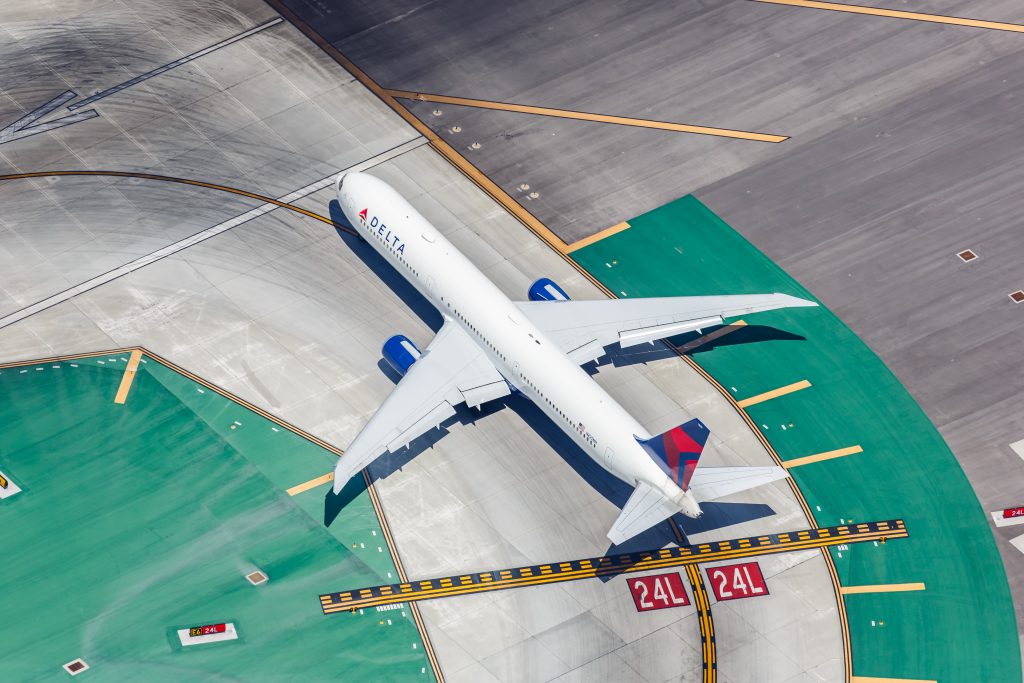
x: 658, y: 592
x: 1009, y: 513
x: 737, y: 581
x: 207, y: 630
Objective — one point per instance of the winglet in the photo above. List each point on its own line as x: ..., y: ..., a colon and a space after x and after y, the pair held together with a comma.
x: 677, y: 451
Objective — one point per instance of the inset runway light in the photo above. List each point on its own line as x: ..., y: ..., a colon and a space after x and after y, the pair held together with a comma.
x: 436, y: 112
x: 524, y: 187
x: 1017, y: 297
x: 256, y: 578
x: 456, y: 129
x: 76, y: 667
x: 967, y: 255
x: 475, y: 145
x: 535, y: 195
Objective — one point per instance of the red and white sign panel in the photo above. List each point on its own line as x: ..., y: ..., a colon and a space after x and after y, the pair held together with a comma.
x: 736, y: 581
x: 1009, y: 513
x: 658, y: 592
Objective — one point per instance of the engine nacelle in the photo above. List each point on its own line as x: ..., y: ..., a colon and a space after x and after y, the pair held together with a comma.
x: 545, y: 289
x: 400, y: 353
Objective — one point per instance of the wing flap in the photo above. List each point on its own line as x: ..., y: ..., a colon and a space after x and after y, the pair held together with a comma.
x: 645, y: 508
x: 581, y: 327
x: 451, y: 370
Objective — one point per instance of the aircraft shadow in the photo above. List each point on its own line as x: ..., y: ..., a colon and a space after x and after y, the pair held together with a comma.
x: 618, y: 357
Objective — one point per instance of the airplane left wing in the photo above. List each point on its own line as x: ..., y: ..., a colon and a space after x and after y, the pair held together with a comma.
x: 712, y: 483
x: 452, y: 370
x: 583, y: 328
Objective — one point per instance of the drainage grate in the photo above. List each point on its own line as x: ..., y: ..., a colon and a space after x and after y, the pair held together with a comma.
x: 76, y: 667
x: 967, y: 255
x: 1017, y: 297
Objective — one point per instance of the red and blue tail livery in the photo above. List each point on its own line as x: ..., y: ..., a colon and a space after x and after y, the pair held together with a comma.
x: 678, y: 450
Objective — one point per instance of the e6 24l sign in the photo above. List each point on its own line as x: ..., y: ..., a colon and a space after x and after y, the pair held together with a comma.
x: 658, y: 592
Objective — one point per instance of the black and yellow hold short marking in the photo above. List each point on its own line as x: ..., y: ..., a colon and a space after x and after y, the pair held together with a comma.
x: 574, y: 570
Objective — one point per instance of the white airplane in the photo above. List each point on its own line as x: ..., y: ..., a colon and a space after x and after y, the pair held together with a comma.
x: 490, y: 346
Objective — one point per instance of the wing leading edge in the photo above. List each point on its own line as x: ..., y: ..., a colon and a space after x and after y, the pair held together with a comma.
x: 583, y: 328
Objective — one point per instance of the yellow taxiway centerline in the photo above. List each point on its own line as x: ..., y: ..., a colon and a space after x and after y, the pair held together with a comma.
x: 586, y: 116
x: 774, y: 393
x: 818, y: 457
x: 596, y: 237
x: 899, y: 14
x: 882, y: 588
x: 311, y: 484
x: 128, y: 376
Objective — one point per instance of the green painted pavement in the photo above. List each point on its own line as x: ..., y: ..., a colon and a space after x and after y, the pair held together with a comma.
x: 140, y: 519
x: 962, y: 628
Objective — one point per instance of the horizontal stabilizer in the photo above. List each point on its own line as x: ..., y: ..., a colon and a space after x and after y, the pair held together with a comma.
x: 711, y: 483
x: 645, y: 508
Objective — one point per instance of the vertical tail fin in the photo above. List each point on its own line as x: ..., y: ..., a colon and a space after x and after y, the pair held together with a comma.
x: 678, y: 450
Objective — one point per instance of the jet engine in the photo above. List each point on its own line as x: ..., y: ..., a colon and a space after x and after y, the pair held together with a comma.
x: 545, y: 289
x: 400, y: 353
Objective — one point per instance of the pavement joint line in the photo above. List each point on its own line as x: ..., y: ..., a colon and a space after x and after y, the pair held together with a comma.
x: 899, y: 14
x: 192, y: 240
x: 176, y: 63
x: 553, y: 572
x: 882, y: 588
x: 311, y: 484
x: 587, y: 116
x: 774, y: 393
x: 129, y: 375
x: 597, y: 237
x: 818, y: 457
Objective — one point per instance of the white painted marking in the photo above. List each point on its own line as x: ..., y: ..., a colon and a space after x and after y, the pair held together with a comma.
x: 997, y: 517
x: 1018, y: 448
x: 23, y: 127
x: 180, y: 245
x: 1018, y: 543
x: 11, y: 489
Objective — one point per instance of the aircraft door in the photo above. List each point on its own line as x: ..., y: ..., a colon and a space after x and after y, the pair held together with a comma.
x: 609, y: 455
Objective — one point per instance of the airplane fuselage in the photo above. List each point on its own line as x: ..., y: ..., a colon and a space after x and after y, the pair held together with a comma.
x: 523, y: 355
